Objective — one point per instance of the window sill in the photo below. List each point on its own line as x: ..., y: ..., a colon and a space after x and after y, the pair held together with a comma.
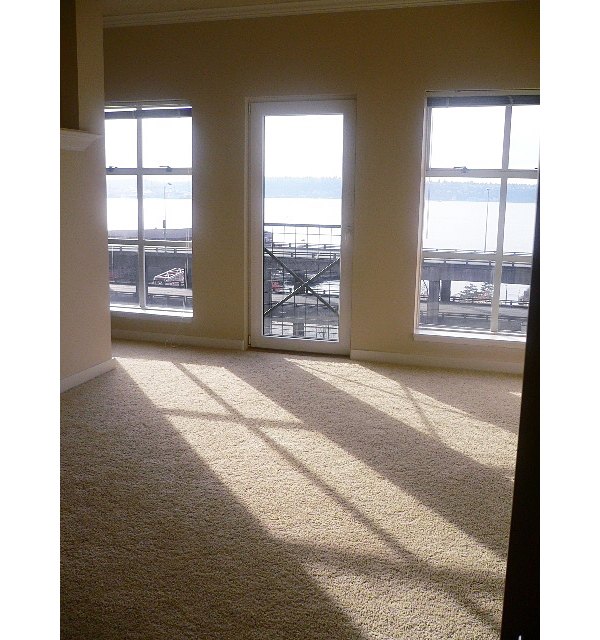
x: 470, y: 338
x: 158, y: 314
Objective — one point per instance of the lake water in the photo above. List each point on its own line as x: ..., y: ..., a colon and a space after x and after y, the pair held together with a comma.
x: 456, y: 225
x: 446, y: 225
x: 459, y: 226
x: 122, y: 213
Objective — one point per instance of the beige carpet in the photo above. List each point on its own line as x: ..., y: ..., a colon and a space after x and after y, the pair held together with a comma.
x: 230, y: 495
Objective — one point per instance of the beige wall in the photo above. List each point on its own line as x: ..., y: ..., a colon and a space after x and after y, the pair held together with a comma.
x: 386, y: 60
x: 85, y: 319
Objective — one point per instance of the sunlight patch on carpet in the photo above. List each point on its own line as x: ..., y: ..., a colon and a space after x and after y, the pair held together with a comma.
x: 226, y: 387
x: 481, y: 441
x: 390, y: 512
x: 289, y: 505
x: 303, y: 487
x: 359, y: 536
x: 170, y: 388
x: 384, y: 492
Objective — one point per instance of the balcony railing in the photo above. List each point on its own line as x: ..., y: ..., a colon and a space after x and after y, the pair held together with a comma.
x: 301, y: 280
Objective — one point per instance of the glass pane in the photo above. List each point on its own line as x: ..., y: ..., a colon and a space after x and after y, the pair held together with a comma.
x: 514, y: 297
x: 122, y: 206
x: 301, y: 277
x: 516, y: 269
x: 524, y: 137
x: 469, y: 137
x: 461, y: 214
x: 167, y: 142
x: 120, y: 139
x: 168, y: 277
x: 123, y: 274
x: 456, y: 304
x: 168, y: 208
x: 302, y: 226
x: 521, y: 202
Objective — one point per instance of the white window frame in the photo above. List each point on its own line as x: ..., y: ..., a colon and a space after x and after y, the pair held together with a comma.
x: 504, y: 174
x: 257, y: 111
x: 138, y: 108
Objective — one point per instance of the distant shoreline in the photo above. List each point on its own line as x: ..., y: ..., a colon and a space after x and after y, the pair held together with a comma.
x: 330, y: 188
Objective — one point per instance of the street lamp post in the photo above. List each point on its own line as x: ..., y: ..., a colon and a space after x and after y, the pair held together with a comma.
x: 168, y: 184
x: 487, y: 211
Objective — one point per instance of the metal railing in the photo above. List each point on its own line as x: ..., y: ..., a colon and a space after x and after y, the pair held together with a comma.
x: 301, y: 280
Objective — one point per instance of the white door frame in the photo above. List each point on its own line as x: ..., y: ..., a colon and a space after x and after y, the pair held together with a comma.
x: 257, y: 112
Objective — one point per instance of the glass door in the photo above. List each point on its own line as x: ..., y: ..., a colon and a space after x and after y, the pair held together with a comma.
x: 301, y: 197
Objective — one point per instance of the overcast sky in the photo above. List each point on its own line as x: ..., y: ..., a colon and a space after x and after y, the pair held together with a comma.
x: 299, y: 146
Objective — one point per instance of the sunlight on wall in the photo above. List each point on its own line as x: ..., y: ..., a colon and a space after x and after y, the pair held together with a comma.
x: 481, y: 441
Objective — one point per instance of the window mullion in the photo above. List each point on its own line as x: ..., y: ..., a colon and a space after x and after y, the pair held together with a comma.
x: 140, y: 194
x: 175, y: 253
x: 171, y: 171
x: 494, y: 174
x: 495, y: 312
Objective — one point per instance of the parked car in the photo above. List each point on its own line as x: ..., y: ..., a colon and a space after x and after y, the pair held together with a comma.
x: 171, y: 278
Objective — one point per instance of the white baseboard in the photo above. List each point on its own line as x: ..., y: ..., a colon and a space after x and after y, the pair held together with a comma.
x: 436, y: 361
x: 83, y: 376
x: 167, y: 338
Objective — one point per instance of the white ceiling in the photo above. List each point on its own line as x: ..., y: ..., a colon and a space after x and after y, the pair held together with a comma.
x: 137, y: 12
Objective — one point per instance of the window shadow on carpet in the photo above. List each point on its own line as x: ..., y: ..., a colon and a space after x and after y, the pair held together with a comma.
x: 494, y: 397
x: 154, y: 545
x: 474, y: 496
x: 404, y: 565
x: 288, y: 404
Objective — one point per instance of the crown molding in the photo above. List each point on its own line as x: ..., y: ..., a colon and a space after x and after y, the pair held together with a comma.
x: 298, y: 7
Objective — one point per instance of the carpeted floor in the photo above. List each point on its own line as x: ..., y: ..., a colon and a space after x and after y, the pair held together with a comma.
x: 231, y: 495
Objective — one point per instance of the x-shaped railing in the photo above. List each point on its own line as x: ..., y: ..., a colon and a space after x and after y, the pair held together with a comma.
x: 305, y: 283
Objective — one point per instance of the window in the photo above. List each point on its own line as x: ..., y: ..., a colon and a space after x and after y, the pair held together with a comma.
x: 149, y: 206
x: 479, y: 205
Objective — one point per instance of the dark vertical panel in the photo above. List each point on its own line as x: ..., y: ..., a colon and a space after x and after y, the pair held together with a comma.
x: 69, y: 90
x: 521, y: 612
